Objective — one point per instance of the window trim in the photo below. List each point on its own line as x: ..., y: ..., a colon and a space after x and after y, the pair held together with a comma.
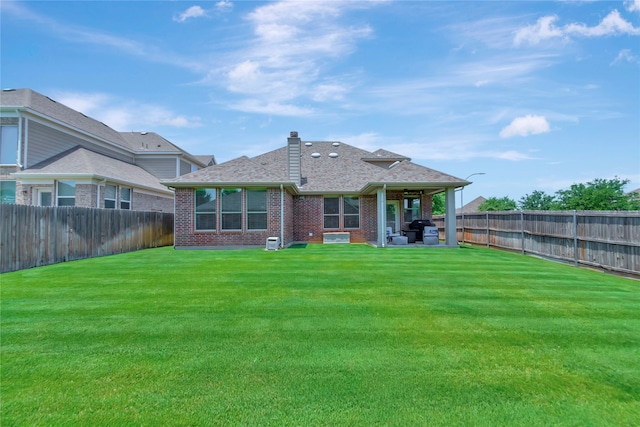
x: 15, y: 185
x: 345, y: 215
x: 15, y: 155
x: 58, y: 196
x: 326, y: 215
x: 114, y: 199
x: 265, y: 212
x: 223, y: 212
x: 214, y: 212
x: 124, y: 201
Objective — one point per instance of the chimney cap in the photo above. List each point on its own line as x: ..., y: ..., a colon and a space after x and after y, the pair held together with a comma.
x: 293, y: 134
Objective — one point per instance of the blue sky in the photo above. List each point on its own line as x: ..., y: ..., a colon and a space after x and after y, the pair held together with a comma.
x: 536, y: 95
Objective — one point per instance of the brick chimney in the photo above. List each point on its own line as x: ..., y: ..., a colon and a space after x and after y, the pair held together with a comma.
x: 295, y: 152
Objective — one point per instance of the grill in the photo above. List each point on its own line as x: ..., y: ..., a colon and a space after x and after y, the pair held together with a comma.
x: 419, y: 225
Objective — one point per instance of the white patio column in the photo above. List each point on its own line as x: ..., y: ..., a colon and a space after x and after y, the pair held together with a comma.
x: 382, y: 217
x: 450, y: 238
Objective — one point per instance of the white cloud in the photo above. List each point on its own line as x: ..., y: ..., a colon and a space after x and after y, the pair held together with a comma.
x: 293, y: 43
x: 123, y: 115
x: 625, y: 55
x: 632, y: 5
x: 525, y: 126
x: 192, y: 12
x: 272, y: 108
x: 545, y: 28
x: 542, y: 30
x: 224, y: 6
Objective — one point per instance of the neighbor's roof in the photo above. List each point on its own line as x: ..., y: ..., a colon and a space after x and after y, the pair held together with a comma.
x: 80, y: 162
x: 327, y: 167
x: 137, y: 142
x: 473, y: 205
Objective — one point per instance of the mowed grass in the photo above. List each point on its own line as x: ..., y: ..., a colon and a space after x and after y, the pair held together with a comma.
x: 321, y: 335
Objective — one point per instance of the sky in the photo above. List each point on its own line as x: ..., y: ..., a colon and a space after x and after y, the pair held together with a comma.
x: 530, y: 96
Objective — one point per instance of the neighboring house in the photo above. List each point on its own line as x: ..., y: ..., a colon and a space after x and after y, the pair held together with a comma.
x: 52, y: 155
x: 472, y: 206
x: 307, y: 192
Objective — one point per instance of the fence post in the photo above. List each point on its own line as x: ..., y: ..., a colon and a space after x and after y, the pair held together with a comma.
x: 575, y: 238
x: 488, y: 241
x: 522, y: 230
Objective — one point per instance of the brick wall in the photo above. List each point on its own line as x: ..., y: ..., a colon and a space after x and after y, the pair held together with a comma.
x: 149, y: 203
x: 303, y: 221
x: 186, y: 235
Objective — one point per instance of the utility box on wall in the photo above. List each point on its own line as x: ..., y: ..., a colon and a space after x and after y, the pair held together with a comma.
x: 273, y: 244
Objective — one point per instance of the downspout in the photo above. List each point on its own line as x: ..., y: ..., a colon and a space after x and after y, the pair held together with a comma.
x: 281, y: 216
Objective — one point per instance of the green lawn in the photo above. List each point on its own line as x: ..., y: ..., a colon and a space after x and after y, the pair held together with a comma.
x: 321, y: 335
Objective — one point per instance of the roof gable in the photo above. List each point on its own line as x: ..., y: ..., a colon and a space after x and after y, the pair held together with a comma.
x: 80, y: 161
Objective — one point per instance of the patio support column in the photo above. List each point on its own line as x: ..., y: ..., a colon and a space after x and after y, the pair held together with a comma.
x: 450, y: 218
x: 382, y: 217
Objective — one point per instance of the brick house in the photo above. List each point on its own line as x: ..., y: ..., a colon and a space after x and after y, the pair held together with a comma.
x: 307, y: 191
x: 52, y: 155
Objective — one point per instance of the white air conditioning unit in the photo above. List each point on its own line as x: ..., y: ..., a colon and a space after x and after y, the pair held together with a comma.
x: 273, y: 244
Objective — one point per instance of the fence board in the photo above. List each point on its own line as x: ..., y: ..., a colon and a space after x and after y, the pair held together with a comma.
x: 32, y: 236
x: 605, y: 239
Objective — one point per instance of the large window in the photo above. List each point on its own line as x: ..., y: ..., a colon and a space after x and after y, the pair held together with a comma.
x: 411, y: 209
x: 7, y: 191
x: 110, y: 193
x: 351, y: 211
x: 332, y: 212
x: 8, y: 145
x: 231, y: 208
x: 206, y: 209
x: 256, y: 209
x: 125, y: 198
x: 66, y: 193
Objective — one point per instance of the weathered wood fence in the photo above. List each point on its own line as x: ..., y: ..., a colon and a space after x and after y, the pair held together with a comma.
x: 32, y: 236
x: 605, y: 239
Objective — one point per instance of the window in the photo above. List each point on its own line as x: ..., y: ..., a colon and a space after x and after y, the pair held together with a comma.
x: 125, y: 198
x: 206, y: 209
x: 256, y: 209
x: 231, y: 208
x: 7, y: 191
x: 331, y: 212
x: 66, y: 193
x: 110, y: 193
x: 351, y: 211
x: 9, y: 145
x: 411, y: 209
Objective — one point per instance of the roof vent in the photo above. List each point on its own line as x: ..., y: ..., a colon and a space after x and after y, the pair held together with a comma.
x: 336, y: 144
x: 333, y: 155
x: 315, y: 155
x: 293, y: 134
x: 308, y: 144
x: 143, y: 133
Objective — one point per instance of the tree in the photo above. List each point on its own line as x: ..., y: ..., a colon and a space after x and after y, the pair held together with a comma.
x: 538, y: 200
x: 438, y: 205
x: 496, y: 204
x: 599, y: 194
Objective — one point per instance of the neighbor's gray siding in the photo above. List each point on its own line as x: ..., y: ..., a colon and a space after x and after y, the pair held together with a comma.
x: 162, y: 168
x: 185, y: 167
x: 45, y: 142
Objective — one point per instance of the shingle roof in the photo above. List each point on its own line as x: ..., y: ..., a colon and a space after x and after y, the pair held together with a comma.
x: 80, y: 161
x: 138, y: 142
x: 326, y: 166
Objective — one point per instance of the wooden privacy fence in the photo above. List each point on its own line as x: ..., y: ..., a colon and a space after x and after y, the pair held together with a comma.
x: 606, y: 239
x: 32, y: 236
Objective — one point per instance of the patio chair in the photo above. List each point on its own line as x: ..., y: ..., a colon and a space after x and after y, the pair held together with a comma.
x: 391, y: 234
